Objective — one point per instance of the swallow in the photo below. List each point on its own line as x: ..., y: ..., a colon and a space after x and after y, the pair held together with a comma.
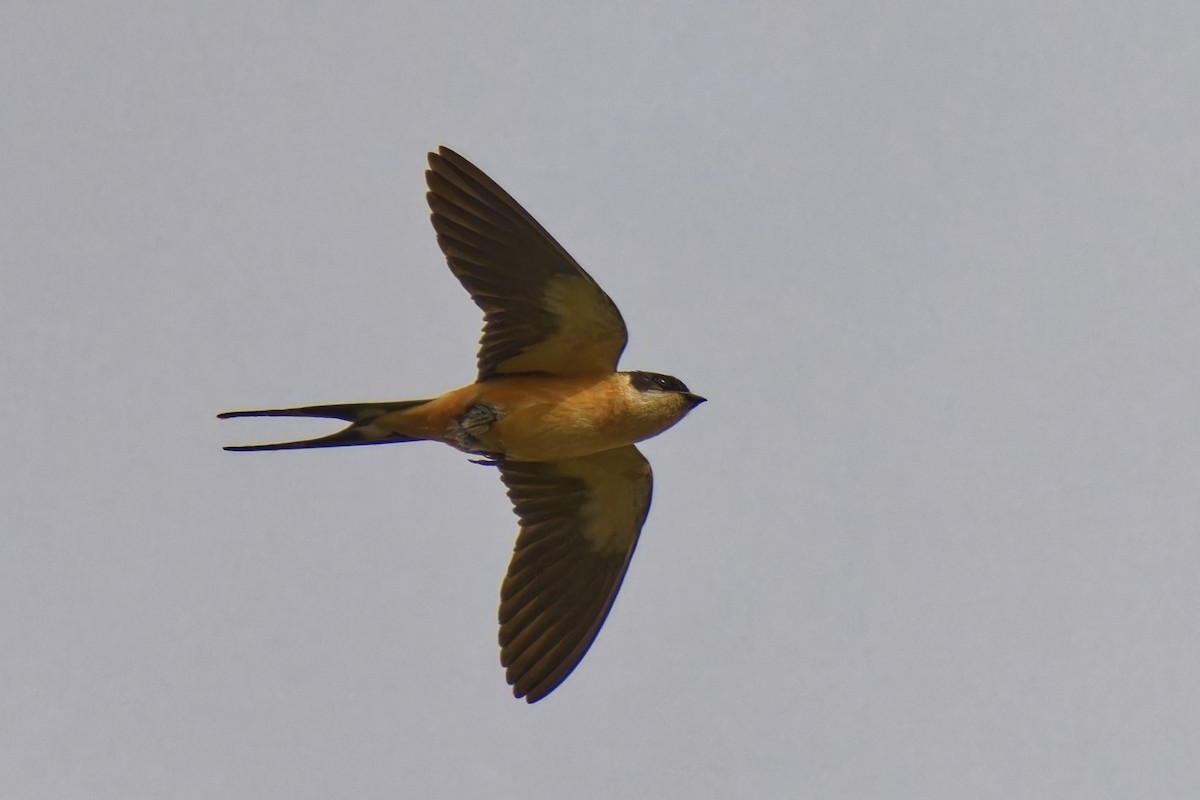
x: 548, y: 409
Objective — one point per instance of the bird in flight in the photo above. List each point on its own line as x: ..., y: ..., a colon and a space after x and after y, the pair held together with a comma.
x: 548, y: 409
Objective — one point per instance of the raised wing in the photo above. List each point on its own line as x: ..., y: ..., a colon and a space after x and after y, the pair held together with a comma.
x: 580, y: 521
x: 542, y: 312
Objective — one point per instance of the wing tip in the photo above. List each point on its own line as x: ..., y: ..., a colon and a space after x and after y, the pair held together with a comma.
x: 444, y: 154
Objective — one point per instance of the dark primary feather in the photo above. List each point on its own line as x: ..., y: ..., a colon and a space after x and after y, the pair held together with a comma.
x: 509, y: 264
x: 580, y: 521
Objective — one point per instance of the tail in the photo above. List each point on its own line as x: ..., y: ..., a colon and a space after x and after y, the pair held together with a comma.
x: 361, y: 416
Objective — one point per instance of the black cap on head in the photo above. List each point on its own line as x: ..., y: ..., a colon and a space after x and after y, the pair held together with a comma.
x: 653, y: 381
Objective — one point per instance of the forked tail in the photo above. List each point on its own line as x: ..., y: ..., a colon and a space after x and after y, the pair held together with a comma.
x: 361, y: 416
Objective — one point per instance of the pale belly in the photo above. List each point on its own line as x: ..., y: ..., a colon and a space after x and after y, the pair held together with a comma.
x: 538, y: 418
x: 552, y: 433
x: 551, y: 420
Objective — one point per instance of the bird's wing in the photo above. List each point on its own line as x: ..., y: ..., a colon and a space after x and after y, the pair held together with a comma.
x: 542, y: 312
x: 580, y: 520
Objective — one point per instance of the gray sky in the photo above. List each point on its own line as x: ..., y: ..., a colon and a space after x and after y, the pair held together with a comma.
x: 936, y: 265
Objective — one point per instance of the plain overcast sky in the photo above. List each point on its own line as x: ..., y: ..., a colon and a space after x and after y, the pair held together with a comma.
x: 936, y: 265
